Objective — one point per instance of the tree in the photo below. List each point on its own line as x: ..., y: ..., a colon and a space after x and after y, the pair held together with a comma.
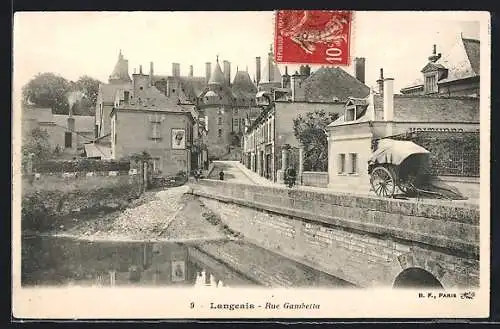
x: 51, y: 90
x: 38, y: 144
x: 310, y: 131
x: 48, y: 90
x: 90, y: 89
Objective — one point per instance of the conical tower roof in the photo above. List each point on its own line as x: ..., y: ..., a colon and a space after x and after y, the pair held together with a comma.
x: 243, y: 82
x: 120, y: 72
x: 271, y: 72
x: 217, y: 76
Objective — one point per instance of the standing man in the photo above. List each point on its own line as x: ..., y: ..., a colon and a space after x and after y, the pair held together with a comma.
x: 221, y: 174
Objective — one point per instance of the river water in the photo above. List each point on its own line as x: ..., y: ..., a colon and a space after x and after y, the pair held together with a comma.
x: 60, y: 261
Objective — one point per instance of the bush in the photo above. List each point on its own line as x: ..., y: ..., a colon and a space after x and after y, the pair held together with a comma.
x: 80, y: 165
x: 34, y: 214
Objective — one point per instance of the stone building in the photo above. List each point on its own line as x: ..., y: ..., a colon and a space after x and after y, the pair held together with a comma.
x: 144, y: 119
x: 367, y: 120
x: 455, y: 73
x: 67, y: 133
x: 269, y: 143
x: 119, y: 80
x: 219, y: 105
x: 225, y: 106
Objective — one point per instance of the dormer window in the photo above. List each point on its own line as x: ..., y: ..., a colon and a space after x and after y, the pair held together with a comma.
x: 350, y: 113
x: 431, y: 83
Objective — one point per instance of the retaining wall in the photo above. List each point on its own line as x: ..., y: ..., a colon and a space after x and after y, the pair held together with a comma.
x: 361, y: 239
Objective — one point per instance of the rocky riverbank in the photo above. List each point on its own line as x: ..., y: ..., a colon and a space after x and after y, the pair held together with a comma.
x: 166, y: 215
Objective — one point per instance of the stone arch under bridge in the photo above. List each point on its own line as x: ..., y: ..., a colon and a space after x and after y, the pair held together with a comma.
x: 415, y: 277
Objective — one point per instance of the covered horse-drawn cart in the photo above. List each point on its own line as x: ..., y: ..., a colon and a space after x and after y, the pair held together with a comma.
x: 403, y: 166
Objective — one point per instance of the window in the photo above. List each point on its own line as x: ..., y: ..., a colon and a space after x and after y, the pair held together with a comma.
x: 173, y: 90
x: 141, y: 87
x: 430, y: 84
x: 354, y: 163
x: 219, y: 133
x: 67, y: 139
x: 155, y: 128
x: 219, y: 121
x: 350, y: 113
x: 126, y: 96
x: 341, y: 163
x: 156, y: 165
x: 235, y: 123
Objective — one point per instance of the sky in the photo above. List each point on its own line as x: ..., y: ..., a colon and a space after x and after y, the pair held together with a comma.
x: 73, y: 44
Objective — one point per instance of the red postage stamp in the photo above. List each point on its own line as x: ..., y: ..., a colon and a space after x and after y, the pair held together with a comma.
x: 313, y: 36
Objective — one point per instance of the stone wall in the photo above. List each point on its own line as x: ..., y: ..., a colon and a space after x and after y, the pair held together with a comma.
x: 51, y: 197
x: 365, y: 240
x: 318, y: 179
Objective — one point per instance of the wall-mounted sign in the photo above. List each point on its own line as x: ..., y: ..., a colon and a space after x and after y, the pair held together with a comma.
x: 178, y: 139
x: 452, y: 130
x: 178, y: 271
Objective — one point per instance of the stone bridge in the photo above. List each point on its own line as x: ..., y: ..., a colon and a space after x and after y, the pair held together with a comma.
x: 367, y: 241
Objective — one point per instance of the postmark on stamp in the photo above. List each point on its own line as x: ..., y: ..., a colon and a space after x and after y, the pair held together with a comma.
x: 313, y: 36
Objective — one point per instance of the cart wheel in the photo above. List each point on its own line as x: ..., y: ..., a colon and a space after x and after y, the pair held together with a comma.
x: 383, y: 181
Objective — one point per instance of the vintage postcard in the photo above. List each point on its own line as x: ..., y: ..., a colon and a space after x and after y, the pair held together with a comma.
x: 287, y: 164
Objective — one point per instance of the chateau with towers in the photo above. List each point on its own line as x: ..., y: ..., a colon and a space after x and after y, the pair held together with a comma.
x: 221, y: 107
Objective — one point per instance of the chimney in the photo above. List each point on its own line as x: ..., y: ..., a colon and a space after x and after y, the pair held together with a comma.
x: 257, y: 70
x: 190, y: 70
x: 140, y: 69
x: 388, y: 99
x: 434, y: 57
x: 285, y: 79
x: 307, y: 69
x: 208, y: 71
x: 176, y: 69
x: 359, y: 68
x: 71, y: 121
x: 380, y: 82
x: 270, y: 65
x: 151, y: 72
x: 227, y: 72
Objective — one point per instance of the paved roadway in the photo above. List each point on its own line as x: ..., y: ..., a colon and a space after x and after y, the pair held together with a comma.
x: 236, y: 172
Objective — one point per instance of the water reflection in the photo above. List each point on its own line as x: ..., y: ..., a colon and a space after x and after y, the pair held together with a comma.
x: 63, y: 261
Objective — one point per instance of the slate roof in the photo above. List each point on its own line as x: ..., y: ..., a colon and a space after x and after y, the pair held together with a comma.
x: 120, y: 71
x: 154, y: 100
x: 83, y: 123
x: 108, y: 92
x: 217, y: 77
x: 193, y: 86
x: 327, y: 84
x: 243, y: 88
x: 275, y: 71
x: 37, y: 113
x: 462, y: 61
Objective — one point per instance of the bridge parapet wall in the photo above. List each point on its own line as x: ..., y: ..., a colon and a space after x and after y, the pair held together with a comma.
x: 441, y: 237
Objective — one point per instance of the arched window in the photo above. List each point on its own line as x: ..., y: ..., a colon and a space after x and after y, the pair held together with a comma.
x: 219, y: 133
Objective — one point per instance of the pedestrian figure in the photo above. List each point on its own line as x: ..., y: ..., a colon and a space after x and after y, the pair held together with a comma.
x: 195, y: 174
x: 290, y: 176
x: 221, y: 174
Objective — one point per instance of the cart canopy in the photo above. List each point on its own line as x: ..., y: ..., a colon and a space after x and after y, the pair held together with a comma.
x: 394, y: 152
